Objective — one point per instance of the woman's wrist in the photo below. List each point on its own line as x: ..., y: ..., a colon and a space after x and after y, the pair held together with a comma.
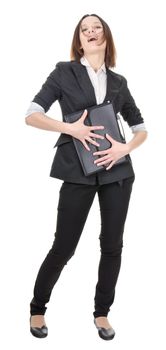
x: 67, y: 128
x: 137, y: 140
x: 128, y: 147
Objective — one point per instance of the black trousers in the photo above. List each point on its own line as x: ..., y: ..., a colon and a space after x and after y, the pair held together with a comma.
x: 74, y: 204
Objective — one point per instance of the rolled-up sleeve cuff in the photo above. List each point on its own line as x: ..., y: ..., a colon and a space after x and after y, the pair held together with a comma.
x: 138, y: 127
x: 33, y: 108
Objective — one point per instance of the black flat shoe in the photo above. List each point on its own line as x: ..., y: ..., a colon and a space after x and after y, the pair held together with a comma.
x: 106, y: 334
x: 39, y: 332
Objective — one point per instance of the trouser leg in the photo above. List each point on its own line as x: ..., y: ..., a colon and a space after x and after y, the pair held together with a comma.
x: 114, y: 201
x: 74, y: 204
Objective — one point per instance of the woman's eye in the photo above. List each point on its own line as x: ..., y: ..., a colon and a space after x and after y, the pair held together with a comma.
x: 97, y: 27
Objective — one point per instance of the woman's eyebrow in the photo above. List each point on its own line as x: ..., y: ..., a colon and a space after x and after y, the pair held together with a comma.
x: 86, y: 24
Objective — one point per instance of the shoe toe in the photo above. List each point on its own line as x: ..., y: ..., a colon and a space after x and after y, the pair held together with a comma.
x: 39, y: 332
x: 106, y: 334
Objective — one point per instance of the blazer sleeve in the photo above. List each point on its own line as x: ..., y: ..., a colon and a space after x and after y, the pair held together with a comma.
x: 130, y: 112
x: 50, y: 90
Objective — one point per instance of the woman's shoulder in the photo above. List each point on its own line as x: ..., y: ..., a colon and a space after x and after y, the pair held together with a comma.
x: 65, y: 67
x: 116, y: 75
x: 66, y: 64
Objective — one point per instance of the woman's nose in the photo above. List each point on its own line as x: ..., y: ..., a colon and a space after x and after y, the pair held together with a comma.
x: 91, y: 30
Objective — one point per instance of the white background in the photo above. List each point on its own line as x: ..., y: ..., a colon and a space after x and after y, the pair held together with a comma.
x: 34, y: 37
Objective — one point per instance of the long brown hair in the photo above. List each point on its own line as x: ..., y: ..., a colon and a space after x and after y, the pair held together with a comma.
x: 110, y: 53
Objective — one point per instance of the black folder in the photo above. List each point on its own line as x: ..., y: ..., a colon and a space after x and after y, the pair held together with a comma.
x: 101, y: 114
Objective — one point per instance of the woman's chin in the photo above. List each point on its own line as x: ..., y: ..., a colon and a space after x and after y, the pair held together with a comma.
x: 94, y: 49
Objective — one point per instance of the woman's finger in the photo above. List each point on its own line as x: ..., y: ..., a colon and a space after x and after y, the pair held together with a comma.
x: 111, y: 164
x: 102, y: 159
x: 96, y: 135
x: 92, y: 141
x: 97, y: 127
x: 85, y: 145
x: 83, y: 116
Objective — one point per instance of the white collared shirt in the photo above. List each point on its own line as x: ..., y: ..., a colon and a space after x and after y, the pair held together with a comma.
x: 99, y: 82
x: 98, y: 79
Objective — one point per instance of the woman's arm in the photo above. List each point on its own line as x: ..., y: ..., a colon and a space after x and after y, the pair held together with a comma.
x: 42, y: 121
x: 137, y: 140
x: 77, y: 129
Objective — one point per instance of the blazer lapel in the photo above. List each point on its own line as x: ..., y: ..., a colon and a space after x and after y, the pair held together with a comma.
x: 112, y: 87
x: 84, y: 81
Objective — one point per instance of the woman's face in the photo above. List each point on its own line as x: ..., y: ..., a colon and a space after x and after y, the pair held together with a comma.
x: 92, y: 35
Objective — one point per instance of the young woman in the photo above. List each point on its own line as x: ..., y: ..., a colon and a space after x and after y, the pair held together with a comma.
x: 85, y: 81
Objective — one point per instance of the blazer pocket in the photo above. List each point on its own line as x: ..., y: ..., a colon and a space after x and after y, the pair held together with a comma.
x: 63, y: 138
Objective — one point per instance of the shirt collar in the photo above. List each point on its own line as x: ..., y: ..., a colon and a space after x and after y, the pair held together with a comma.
x: 85, y: 62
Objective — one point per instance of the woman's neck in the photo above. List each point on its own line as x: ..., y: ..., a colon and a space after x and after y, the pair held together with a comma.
x: 96, y: 61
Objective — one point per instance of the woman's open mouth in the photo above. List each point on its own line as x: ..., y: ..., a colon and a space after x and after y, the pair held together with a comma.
x: 92, y: 39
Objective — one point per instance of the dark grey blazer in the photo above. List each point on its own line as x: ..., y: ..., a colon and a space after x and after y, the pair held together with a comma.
x: 69, y: 83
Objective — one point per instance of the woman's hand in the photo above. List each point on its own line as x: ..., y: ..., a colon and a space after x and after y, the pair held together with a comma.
x: 111, y: 155
x: 83, y: 132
